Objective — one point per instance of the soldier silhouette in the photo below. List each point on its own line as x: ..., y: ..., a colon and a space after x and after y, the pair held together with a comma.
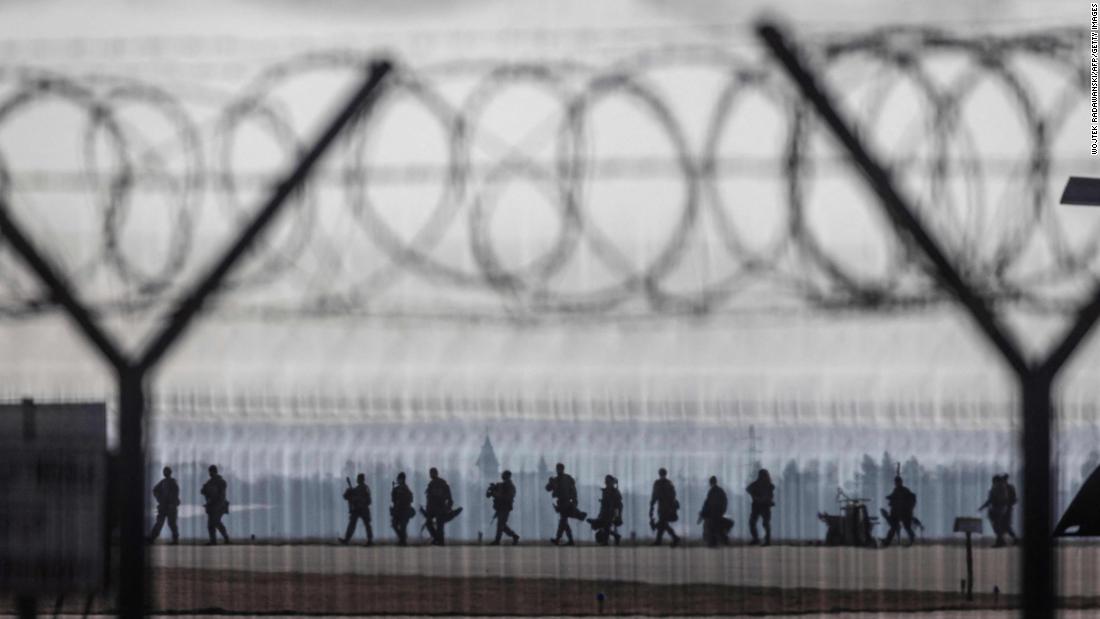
x: 216, y: 505
x: 716, y: 526
x: 1001, y: 499
x: 401, y: 510
x: 663, y: 498
x: 167, y: 494
x: 503, y: 494
x: 358, y: 498
x: 438, y: 510
x: 762, y: 491
x: 902, y: 504
x: 1006, y: 518
x: 563, y: 488
x: 610, y: 518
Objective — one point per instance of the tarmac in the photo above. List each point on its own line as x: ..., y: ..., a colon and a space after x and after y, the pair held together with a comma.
x: 961, y: 614
x: 932, y: 567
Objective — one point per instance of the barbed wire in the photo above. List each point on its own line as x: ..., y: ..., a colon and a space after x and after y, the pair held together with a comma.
x: 676, y: 180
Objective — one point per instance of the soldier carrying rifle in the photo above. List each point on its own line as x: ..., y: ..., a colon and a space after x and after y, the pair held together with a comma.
x: 358, y: 498
x: 716, y: 527
x: 610, y: 518
x: 664, y: 499
x: 440, y: 507
x: 503, y: 494
x: 401, y: 510
x: 563, y: 488
x: 167, y: 494
x: 1002, y: 497
x: 216, y: 505
x: 902, y: 505
x: 762, y: 491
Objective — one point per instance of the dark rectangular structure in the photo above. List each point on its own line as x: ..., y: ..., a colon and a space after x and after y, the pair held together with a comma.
x: 1082, y: 191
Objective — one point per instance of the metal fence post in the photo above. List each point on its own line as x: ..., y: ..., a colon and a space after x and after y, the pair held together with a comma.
x: 1038, y: 572
x: 133, y: 590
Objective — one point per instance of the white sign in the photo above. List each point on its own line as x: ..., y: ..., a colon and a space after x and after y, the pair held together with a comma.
x: 53, y: 478
x: 968, y: 525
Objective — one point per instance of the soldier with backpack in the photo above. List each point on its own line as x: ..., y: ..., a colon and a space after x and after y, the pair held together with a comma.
x: 716, y: 527
x: 358, y: 498
x: 902, y: 505
x: 167, y: 494
x: 762, y: 491
x: 563, y: 488
x: 503, y: 494
x: 1000, y: 501
x: 401, y: 509
x: 439, y: 508
x: 216, y: 505
x: 663, y: 498
x: 610, y: 518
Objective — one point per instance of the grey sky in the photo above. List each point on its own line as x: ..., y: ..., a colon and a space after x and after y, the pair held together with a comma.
x: 208, y: 53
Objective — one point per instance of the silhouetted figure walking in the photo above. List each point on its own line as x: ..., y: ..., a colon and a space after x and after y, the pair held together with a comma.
x: 902, y: 504
x: 167, y: 494
x: 610, y: 518
x: 1001, y: 499
x: 1006, y: 522
x: 358, y: 498
x: 716, y: 527
x: 216, y: 505
x: 563, y: 488
x: 401, y: 509
x: 762, y: 491
x: 503, y: 494
x: 438, y: 510
x: 663, y: 498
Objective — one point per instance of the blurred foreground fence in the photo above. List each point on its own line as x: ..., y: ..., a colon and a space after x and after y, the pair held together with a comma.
x: 510, y: 191
x: 1035, y: 372
x: 132, y: 369
x: 490, y: 189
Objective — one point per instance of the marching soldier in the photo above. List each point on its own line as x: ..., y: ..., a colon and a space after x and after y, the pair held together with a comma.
x: 216, y: 505
x: 1006, y: 518
x: 902, y: 504
x: 762, y: 491
x: 503, y: 494
x: 401, y: 510
x: 563, y: 488
x: 610, y: 518
x: 1001, y: 499
x: 438, y: 509
x: 716, y: 526
x: 663, y: 498
x: 358, y: 498
x: 167, y: 494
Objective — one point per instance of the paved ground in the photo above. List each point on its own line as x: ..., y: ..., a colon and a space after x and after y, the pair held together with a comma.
x: 777, y: 581
x: 921, y: 568
x: 987, y: 614
x: 991, y: 614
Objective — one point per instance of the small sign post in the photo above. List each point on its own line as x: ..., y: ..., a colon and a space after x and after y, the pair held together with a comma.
x: 969, y: 526
x: 53, y: 478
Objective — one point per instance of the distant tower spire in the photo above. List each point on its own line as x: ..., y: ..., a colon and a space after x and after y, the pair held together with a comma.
x: 487, y: 463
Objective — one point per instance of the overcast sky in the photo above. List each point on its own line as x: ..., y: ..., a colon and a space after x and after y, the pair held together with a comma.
x: 211, y: 53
